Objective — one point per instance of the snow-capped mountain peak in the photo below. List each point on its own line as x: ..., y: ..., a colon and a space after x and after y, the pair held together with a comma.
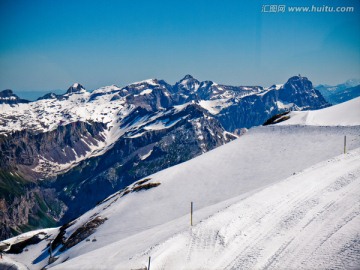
x: 187, y: 77
x: 75, y: 88
x: 103, y: 104
x: 299, y: 83
x: 188, y: 84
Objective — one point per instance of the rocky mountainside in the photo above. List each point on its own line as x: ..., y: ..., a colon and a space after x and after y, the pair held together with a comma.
x: 25, y: 159
x: 82, y: 146
x: 297, y: 93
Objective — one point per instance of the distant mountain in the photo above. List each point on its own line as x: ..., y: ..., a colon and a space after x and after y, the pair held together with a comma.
x: 297, y: 93
x: 49, y: 96
x: 75, y: 88
x: 341, y: 92
x: 76, y: 148
x: 8, y: 97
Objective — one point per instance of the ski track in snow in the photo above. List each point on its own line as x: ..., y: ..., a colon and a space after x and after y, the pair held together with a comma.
x: 285, y: 226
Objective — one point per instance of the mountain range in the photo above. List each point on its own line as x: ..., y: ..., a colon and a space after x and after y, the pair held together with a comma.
x: 62, y: 154
x: 341, y: 92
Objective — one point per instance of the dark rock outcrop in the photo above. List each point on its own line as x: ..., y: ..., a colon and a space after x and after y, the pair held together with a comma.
x: 20, y: 246
x: 8, y: 97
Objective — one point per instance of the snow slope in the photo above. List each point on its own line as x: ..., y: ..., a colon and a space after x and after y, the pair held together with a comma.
x: 308, y: 221
x: 344, y: 114
x: 140, y: 220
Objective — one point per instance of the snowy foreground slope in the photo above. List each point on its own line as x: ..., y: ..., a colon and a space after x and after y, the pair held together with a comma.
x: 308, y: 221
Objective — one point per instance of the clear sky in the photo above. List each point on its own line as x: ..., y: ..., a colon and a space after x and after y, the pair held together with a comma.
x: 51, y: 44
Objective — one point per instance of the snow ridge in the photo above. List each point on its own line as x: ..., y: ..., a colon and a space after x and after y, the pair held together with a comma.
x: 344, y: 114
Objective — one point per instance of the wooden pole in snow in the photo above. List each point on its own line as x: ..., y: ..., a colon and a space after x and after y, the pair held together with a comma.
x: 50, y: 247
x: 50, y: 250
x: 191, y: 213
x: 345, y: 144
x: 149, y: 263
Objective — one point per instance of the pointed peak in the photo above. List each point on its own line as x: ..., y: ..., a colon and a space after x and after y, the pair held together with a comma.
x: 187, y: 77
x: 76, y: 87
x: 298, y: 82
x: 297, y: 78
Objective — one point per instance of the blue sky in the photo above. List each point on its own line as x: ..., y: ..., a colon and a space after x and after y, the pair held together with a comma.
x: 48, y: 45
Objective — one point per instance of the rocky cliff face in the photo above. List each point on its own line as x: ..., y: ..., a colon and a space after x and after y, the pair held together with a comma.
x: 29, y: 208
x: 35, y: 156
x: 297, y: 93
x: 25, y: 158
